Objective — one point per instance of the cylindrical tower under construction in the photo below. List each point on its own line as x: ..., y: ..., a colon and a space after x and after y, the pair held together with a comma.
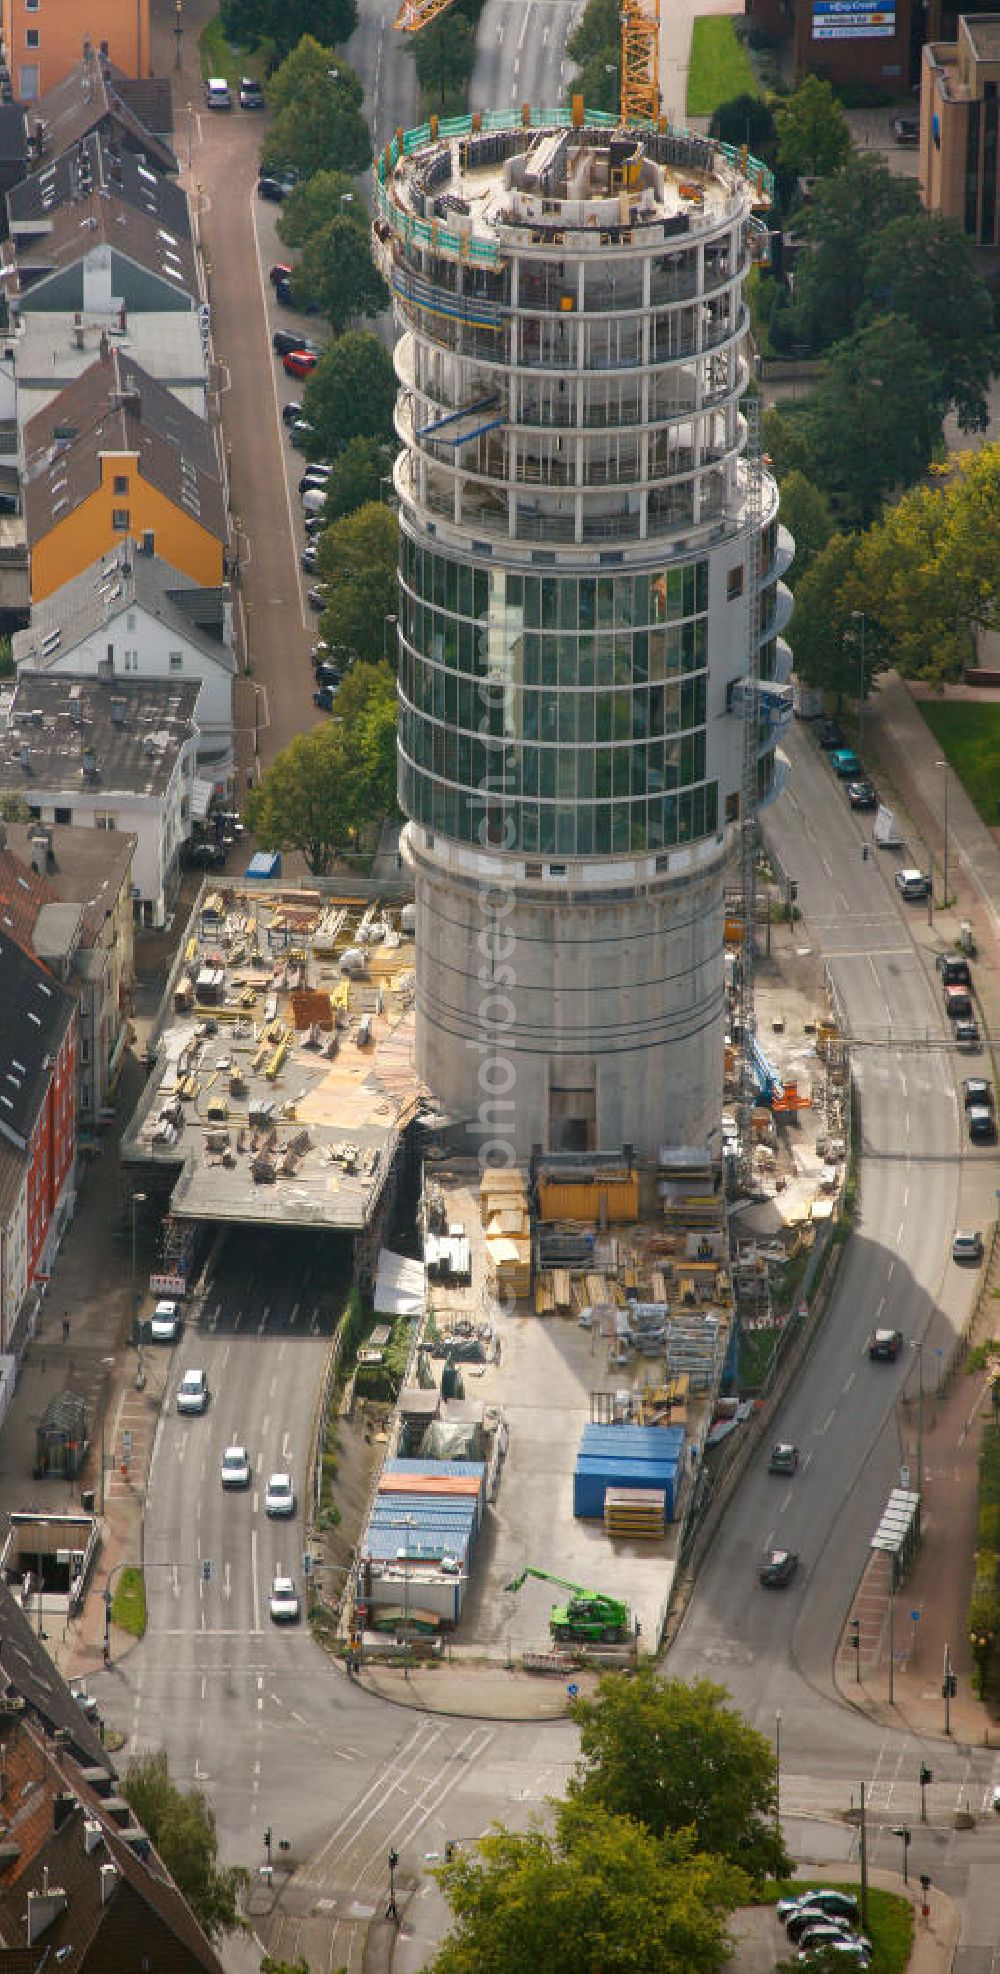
x: 582, y: 618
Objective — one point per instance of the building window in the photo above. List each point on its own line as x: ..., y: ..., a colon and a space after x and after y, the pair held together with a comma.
x: 119, y: 520
x: 131, y: 660
x: 103, y: 819
x: 28, y: 91
x: 734, y: 583
x: 85, y: 1096
x: 64, y: 815
x: 130, y: 620
x: 176, y: 661
x: 84, y: 1049
x: 31, y: 37
x: 121, y: 483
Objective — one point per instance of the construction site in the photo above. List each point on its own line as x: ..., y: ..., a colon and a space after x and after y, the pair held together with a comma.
x: 281, y: 1081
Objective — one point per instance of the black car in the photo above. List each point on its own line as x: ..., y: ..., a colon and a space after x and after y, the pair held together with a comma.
x: 324, y: 697
x: 270, y: 188
x: 284, y: 341
x: 954, y: 970
x: 291, y: 411
x: 283, y: 291
x: 778, y: 1568
x: 205, y: 856
x: 982, y: 1125
x: 807, y: 1916
x: 829, y: 735
x: 884, y: 1346
x: 327, y: 674
x: 308, y: 559
x: 862, y: 795
x: 977, y: 1090
x: 251, y: 94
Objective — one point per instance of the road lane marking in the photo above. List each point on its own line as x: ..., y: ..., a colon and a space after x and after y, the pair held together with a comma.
x: 846, y: 1387
x: 825, y: 1427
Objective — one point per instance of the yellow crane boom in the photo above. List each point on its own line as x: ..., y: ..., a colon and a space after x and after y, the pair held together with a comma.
x: 415, y: 14
x: 640, y: 80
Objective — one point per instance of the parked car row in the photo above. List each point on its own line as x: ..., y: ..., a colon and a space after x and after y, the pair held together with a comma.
x: 219, y: 96
x: 824, y: 1921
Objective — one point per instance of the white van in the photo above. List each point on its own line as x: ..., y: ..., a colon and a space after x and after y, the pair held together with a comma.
x: 314, y: 500
x: 218, y: 95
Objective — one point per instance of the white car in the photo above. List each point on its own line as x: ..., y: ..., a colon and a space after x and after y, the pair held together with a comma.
x: 192, y: 1394
x: 967, y: 1247
x: 912, y: 884
x: 235, y: 1467
x: 166, y: 1323
x: 284, y: 1601
x: 279, y: 1498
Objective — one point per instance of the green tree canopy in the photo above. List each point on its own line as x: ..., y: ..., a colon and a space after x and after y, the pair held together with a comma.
x: 822, y: 628
x: 786, y: 442
x: 806, y: 513
x: 923, y: 268
x: 181, y: 1824
x: 814, y: 136
x: 930, y: 570
x: 336, y: 269
x: 357, y: 477
x: 675, y: 1757
x: 445, y: 55
x: 304, y: 801
x: 366, y: 704
x: 317, y: 201
x: 350, y: 394
x: 844, y: 217
x: 599, y: 1896
x: 746, y: 120
x: 317, y: 98
x: 284, y: 22
x: 875, y: 417
x: 597, y: 34
x: 358, y: 562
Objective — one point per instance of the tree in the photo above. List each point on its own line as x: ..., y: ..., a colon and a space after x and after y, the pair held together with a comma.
x: 814, y: 136
x: 357, y: 477
x: 846, y: 213
x: 337, y: 270
x: 923, y: 268
x: 445, y: 54
x: 366, y: 704
x: 181, y: 1824
x: 317, y: 98
x: 284, y: 22
x: 314, y: 203
x: 597, y: 34
x: 599, y: 1896
x: 350, y: 394
x: 875, y: 416
x: 806, y: 513
x: 821, y: 631
x: 929, y: 571
x: 303, y: 800
x: 358, y: 562
x: 675, y: 1758
x: 786, y: 442
x: 746, y: 120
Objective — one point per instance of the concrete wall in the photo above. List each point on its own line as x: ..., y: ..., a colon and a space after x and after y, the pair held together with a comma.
x: 620, y: 995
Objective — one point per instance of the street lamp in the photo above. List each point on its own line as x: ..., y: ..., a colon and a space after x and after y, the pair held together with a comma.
x: 385, y: 480
x: 391, y: 1911
x: 858, y: 617
x: 902, y: 1830
x: 945, y: 765
x: 138, y: 1199
x: 346, y: 199
x: 386, y: 621
x: 777, y: 1767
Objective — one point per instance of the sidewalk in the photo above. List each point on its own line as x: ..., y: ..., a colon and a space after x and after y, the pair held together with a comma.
x: 903, y: 754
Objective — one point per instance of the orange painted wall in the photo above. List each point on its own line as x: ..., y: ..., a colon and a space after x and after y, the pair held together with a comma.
x: 89, y: 532
x: 61, y: 26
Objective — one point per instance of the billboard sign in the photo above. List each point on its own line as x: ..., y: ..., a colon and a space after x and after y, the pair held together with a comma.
x: 852, y: 20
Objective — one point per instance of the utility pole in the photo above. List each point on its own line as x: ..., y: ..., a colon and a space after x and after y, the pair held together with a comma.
x: 864, y: 1863
x: 856, y: 1644
x: 949, y: 1688
x: 892, y: 1627
x: 926, y: 1775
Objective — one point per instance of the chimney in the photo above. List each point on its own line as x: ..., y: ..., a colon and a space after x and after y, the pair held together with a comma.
x: 43, y: 1908
x: 41, y: 850
x: 109, y: 1879
x: 63, y: 1806
x: 92, y: 1835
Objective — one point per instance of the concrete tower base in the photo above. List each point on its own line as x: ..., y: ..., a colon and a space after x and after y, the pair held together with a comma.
x: 549, y: 1014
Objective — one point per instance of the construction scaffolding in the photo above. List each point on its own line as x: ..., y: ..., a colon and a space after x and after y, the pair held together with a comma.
x: 744, y: 984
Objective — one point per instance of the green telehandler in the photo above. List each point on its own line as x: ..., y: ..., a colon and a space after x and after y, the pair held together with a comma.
x: 589, y: 1617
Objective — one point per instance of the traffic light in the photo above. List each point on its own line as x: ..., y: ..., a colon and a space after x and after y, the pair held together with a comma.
x: 926, y: 1775
x: 855, y: 1632
x: 925, y: 1883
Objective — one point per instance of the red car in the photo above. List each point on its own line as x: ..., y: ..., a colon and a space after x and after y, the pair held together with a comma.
x: 298, y: 363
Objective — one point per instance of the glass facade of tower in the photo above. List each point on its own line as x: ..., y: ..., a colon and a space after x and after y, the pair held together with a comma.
x: 563, y: 714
